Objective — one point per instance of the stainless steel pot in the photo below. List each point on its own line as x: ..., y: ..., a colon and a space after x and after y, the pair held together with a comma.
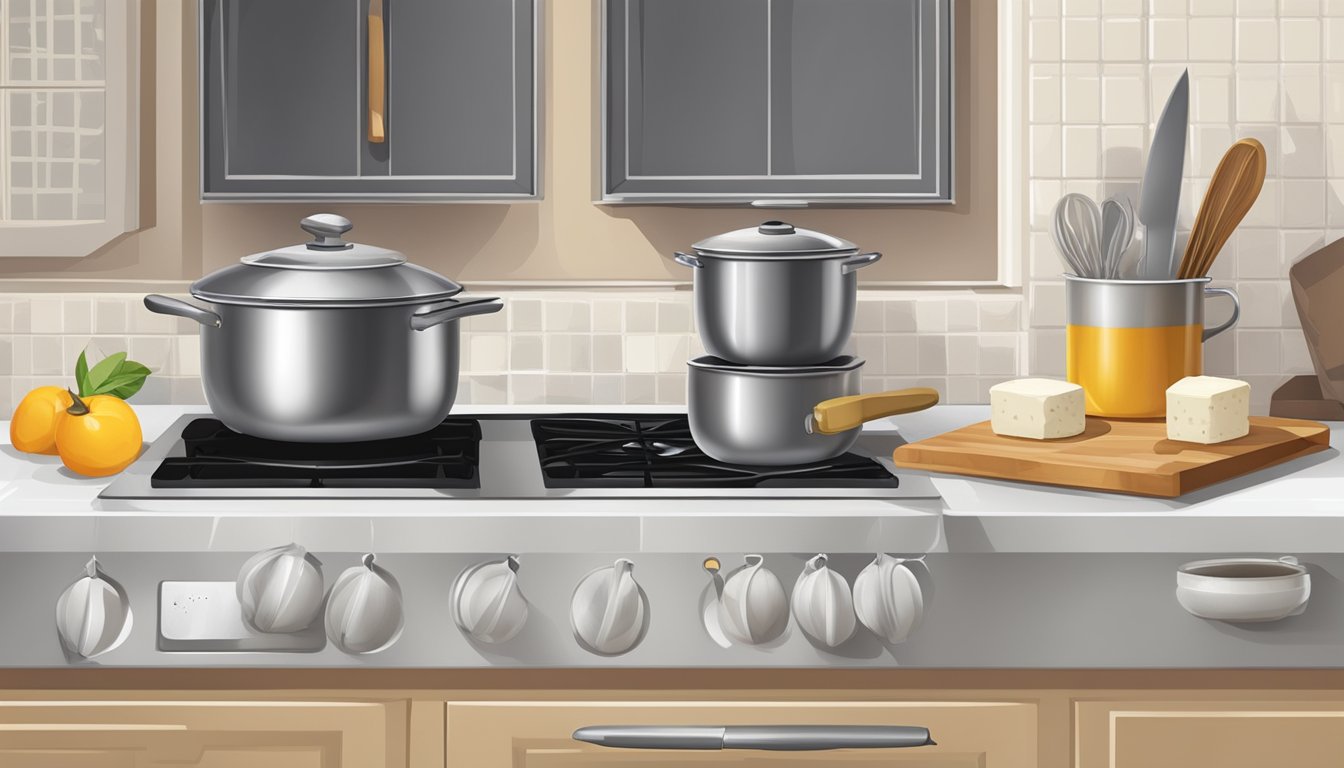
x: 769, y: 416
x: 328, y: 341
x: 775, y: 295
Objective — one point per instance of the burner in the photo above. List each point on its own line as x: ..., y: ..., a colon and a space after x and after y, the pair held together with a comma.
x: 217, y: 457
x: 654, y: 452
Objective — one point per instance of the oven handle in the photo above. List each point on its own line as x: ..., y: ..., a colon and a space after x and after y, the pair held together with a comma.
x: 779, y: 738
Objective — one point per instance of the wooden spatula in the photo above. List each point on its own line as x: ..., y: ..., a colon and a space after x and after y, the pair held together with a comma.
x: 1235, y: 185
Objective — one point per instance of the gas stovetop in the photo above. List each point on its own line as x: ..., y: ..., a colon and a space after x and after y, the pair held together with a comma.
x: 496, y: 457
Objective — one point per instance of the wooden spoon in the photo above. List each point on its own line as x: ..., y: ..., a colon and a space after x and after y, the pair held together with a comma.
x: 1235, y: 185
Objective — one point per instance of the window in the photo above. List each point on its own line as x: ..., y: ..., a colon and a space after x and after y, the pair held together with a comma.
x: 68, y: 138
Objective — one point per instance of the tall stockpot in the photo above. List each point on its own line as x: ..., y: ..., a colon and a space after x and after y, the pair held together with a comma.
x: 328, y: 341
x: 775, y: 295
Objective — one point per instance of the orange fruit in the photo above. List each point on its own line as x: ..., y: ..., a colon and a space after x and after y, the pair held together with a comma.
x: 98, y: 436
x: 32, y: 429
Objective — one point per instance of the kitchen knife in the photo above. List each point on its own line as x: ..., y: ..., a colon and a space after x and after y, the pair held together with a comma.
x: 1160, y: 195
x: 777, y: 738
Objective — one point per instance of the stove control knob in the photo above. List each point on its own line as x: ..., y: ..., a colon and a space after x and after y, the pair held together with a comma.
x: 93, y: 615
x: 822, y: 604
x: 364, y: 612
x: 609, y: 611
x: 753, y: 608
x: 487, y: 603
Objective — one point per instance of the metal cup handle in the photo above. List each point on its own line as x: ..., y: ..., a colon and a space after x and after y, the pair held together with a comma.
x: 1209, y: 333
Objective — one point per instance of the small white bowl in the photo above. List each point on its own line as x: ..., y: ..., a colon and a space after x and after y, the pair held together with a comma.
x: 1243, y: 589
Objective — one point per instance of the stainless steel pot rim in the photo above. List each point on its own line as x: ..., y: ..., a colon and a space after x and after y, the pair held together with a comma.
x: 428, y: 300
x: 774, y: 241
x: 1123, y: 281
x: 1292, y: 569
x: 719, y: 365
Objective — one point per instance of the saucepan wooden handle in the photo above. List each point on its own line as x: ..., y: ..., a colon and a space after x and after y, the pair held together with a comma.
x: 842, y: 414
x: 376, y: 95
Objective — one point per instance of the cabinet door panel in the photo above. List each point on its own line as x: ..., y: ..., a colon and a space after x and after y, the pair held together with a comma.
x: 696, y: 102
x: 846, y: 85
x: 288, y: 114
x: 538, y: 734
x: 451, y: 87
x: 1238, y: 734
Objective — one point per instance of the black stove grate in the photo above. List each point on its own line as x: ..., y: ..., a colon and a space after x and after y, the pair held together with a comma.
x: 447, y: 456
x: 658, y: 452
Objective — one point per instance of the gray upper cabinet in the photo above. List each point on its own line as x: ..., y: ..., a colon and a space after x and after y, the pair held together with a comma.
x: 293, y: 107
x: 777, y: 101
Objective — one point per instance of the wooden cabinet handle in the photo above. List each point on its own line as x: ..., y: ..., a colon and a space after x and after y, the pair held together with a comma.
x: 377, y: 94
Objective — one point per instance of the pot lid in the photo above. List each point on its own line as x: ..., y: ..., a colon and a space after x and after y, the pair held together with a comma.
x: 325, y: 270
x: 775, y: 240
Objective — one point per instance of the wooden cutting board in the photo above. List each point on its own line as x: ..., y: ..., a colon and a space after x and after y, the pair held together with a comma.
x: 1124, y: 456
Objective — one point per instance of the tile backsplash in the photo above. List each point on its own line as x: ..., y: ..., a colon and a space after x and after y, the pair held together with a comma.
x: 543, y: 347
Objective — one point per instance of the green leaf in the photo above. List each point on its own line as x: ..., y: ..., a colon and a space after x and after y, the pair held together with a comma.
x: 125, y: 382
x: 82, y: 374
x: 104, y: 370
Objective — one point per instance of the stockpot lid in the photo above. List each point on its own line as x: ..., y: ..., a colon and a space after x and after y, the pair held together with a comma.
x: 325, y: 271
x: 775, y: 240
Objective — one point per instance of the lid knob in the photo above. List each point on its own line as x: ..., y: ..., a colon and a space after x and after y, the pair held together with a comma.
x: 775, y: 228
x: 326, y: 229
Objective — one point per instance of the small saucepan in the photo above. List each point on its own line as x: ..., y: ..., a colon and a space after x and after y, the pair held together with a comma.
x: 765, y: 416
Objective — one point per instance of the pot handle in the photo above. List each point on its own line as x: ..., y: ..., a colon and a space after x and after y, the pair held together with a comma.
x: 842, y: 414
x: 687, y: 260
x: 1209, y: 333
x: 466, y: 308
x: 855, y: 263
x: 163, y: 305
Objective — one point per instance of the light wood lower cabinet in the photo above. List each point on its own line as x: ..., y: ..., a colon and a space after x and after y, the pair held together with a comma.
x: 202, y: 734
x: 1194, y: 734
x: 515, y: 734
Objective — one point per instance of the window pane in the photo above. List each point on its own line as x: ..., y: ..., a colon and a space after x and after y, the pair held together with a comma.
x: 56, y: 155
x: 55, y: 40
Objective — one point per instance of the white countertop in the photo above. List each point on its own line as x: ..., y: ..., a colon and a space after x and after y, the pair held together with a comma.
x: 1294, y: 507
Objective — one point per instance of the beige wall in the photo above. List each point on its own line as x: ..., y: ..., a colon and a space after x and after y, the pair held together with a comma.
x: 565, y: 236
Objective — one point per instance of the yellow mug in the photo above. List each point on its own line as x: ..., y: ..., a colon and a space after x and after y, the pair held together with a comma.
x: 1128, y: 340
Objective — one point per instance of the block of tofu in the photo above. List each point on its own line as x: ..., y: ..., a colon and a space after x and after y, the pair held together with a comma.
x: 1207, y: 409
x: 1038, y: 408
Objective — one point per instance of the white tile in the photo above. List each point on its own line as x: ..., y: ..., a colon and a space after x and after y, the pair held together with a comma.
x: 1208, y: 144
x: 670, y: 388
x: 1294, y: 244
x: 78, y: 315
x: 1334, y: 150
x: 569, y: 388
x: 46, y: 316
x: 872, y: 347
x: 490, y: 389
x: 1259, y: 304
x: 1082, y: 151
x: 1043, y: 161
x: 566, y: 352
x: 1334, y: 39
x: 1045, y: 258
x: 48, y: 356
x: 1047, y: 352
x: 1200, y: 7
x: 1167, y: 39
x: 1257, y: 94
x: 526, y: 352
x: 1294, y: 355
x: 1302, y: 151
x: 932, y: 355
x: 998, y: 354
x: 1299, y: 7
x: 1334, y: 92
x: 641, y: 389
x: 573, y: 316
x: 142, y: 321
x: 1045, y: 193
x: 1044, y: 93
x: 187, y: 355
x: 641, y: 316
x: 899, y: 315
x: 672, y: 350
x: 1300, y: 39
x: 525, y: 315
x: 902, y: 353
x: 962, y: 390
x: 1047, y: 305
x: 527, y: 388
x: 607, y: 315
x: 1257, y: 39
x: 1211, y: 93
x: 1265, y: 211
x: 1257, y: 253
x: 1124, y: 94
x: 1082, y: 7
x: 1258, y: 352
x: 1122, y: 39
x: 489, y: 352
x: 1000, y: 314
x: 608, y: 354
x: 1220, y: 354
x: 608, y: 390
x: 109, y: 316
x: 1043, y: 40
x: 962, y: 315
x: 1303, y: 203
x: 1121, y: 7
x: 1300, y: 87
x: 1082, y: 39
x: 641, y: 355
x: 931, y: 315
x: 1040, y: 8
x: 868, y: 316
x: 1082, y: 90
x: 674, y: 317
x: 1211, y: 39
x: 963, y: 355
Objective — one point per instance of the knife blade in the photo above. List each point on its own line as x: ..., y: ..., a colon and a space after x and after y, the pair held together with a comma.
x: 1160, y: 195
